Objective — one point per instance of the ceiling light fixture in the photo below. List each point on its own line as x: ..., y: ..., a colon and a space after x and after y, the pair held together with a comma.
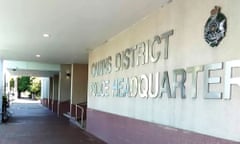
x: 38, y: 55
x: 46, y: 35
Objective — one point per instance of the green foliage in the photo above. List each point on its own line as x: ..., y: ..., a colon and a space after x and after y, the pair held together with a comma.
x: 35, y: 87
x: 30, y: 84
x: 11, y: 83
x: 24, y: 83
x: 4, y: 98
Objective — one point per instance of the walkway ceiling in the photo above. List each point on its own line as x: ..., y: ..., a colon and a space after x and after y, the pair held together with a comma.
x: 34, y: 73
x: 75, y: 27
x: 26, y: 68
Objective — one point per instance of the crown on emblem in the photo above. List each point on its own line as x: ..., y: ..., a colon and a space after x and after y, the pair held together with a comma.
x: 215, y: 11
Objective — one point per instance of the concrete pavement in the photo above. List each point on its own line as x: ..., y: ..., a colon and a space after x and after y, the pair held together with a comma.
x: 31, y: 123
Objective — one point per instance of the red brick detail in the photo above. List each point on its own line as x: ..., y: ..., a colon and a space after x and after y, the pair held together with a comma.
x: 64, y: 107
x: 115, y: 129
x: 73, y: 110
x: 44, y: 102
x: 50, y: 104
x: 54, y: 105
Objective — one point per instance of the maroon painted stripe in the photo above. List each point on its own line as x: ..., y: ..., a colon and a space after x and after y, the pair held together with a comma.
x: 44, y: 102
x: 64, y: 107
x: 73, y: 111
x: 50, y: 104
x: 116, y: 129
x: 54, y: 105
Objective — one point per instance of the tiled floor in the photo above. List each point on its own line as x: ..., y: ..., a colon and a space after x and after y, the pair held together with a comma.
x: 32, y: 123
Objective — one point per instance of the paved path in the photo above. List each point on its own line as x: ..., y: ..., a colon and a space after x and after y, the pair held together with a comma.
x: 31, y: 123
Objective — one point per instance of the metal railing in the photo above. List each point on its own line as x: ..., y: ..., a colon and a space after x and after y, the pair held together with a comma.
x: 81, y: 115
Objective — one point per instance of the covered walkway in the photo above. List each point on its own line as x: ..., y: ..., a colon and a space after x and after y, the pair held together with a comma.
x: 31, y: 123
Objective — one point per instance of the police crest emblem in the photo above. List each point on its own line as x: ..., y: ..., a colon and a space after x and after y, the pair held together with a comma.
x: 215, y: 27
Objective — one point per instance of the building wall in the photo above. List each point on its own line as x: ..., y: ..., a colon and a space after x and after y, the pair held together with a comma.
x: 45, y: 91
x: 65, y: 83
x: 217, y: 117
x: 79, y: 78
x: 55, y: 93
x: 1, y: 86
x: 50, y: 98
x: 79, y: 83
x: 64, y: 90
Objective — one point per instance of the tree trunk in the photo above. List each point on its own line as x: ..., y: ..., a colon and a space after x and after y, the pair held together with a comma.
x: 19, y: 94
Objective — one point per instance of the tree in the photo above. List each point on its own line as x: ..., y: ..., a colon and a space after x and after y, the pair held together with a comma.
x: 24, y: 83
x: 11, y: 83
x: 35, y: 86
